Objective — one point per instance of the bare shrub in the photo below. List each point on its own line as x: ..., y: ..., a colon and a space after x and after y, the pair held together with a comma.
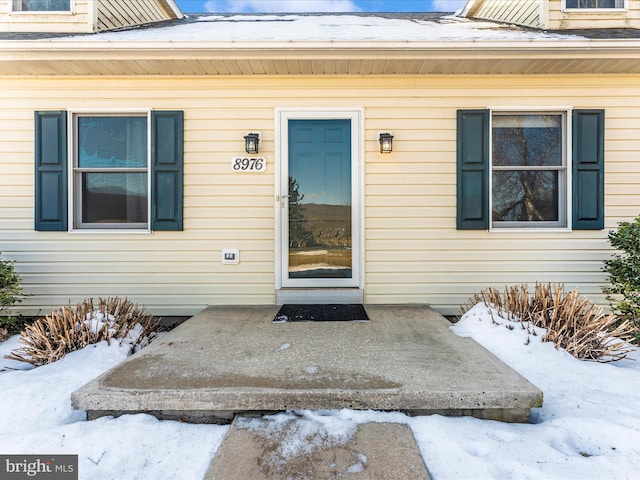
x: 50, y: 338
x: 573, y: 323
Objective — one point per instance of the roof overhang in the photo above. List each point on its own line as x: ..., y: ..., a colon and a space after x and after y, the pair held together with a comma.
x: 80, y: 58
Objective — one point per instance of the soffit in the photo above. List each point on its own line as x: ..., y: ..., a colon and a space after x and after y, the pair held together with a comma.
x: 433, y: 58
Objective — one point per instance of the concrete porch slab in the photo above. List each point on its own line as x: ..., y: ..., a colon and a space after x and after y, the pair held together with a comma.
x: 227, y: 360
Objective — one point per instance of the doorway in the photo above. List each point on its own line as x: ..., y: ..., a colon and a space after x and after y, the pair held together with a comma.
x: 319, y: 189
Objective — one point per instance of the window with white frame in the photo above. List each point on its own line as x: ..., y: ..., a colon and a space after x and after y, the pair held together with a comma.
x: 515, y: 169
x: 41, y: 5
x: 110, y: 171
x: 594, y: 4
x: 528, y: 170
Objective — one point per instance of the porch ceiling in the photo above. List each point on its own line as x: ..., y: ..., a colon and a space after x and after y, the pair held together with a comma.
x: 321, y: 58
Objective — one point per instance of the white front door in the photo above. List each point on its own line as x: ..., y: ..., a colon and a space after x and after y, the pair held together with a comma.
x: 319, y: 199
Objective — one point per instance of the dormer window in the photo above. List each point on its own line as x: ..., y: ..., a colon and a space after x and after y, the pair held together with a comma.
x: 594, y: 4
x: 41, y: 5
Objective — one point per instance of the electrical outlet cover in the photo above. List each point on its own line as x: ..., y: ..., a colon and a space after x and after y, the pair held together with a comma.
x: 230, y: 256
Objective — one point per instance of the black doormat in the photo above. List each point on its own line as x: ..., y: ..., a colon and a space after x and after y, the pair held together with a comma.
x: 322, y: 313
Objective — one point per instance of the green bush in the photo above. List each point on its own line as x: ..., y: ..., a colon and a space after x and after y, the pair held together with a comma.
x: 10, y: 292
x: 623, y: 291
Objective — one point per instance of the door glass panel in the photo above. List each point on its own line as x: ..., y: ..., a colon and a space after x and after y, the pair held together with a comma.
x: 319, y: 203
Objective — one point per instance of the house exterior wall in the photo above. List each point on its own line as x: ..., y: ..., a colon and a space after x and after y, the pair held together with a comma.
x: 529, y: 13
x: 552, y: 14
x: 412, y: 250
x: 81, y: 19
x: 560, y: 18
x: 86, y: 16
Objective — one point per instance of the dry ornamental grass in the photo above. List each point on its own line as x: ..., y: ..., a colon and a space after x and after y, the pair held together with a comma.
x: 50, y: 338
x: 573, y: 323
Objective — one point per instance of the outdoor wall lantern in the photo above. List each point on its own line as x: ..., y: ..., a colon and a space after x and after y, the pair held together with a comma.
x: 386, y: 142
x: 251, y: 142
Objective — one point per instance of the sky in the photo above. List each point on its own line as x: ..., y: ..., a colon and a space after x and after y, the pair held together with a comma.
x: 299, y: 6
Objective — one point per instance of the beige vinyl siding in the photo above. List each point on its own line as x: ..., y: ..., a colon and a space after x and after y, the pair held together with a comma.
x: 609, y: 18
x: 123, y: 13
x: 80, y: 19
x: 412, y: 251
x: 529, y: 13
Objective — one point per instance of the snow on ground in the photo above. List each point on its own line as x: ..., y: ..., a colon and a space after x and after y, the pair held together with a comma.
x: 36, y: 418
x: 588, y: 428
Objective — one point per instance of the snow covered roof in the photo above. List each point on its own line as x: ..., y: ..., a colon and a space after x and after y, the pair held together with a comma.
x: 320, y: 44
x: 327, y: 28
x: 345, y: 27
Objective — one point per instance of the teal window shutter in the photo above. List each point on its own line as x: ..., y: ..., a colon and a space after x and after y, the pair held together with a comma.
x: 473, y: 170
x: 51, y: 171
x: 167, y: 170
x: 588, y: 170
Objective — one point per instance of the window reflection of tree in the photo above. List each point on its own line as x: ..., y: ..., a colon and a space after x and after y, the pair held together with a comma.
x: 523, y: 189
x: 299, y: 235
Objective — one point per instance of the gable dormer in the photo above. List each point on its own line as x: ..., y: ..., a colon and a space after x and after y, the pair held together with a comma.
x: 82, y: 16
x: 558, y: 14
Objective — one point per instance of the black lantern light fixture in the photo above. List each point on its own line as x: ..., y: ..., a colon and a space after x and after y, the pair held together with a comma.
x: 386, y: 142
x: 251, y: 141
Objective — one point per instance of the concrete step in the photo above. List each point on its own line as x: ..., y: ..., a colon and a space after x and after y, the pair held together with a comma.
x: 253, y: 449
x: 229, y: 360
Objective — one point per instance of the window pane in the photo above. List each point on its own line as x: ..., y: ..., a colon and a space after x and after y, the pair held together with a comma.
x: 42, y: 5
x: 526, y: 196
x: 114, y: 198
x: 527, y: 140
x: 595, y: 3
x: 112, y: 142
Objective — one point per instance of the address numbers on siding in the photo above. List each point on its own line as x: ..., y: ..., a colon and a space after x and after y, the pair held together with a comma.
x: 248, y: 164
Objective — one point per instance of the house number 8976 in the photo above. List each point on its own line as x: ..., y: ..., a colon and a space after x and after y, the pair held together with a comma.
x: 248, y: 164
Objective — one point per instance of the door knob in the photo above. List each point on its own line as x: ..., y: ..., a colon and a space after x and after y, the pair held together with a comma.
x: 282, y: 198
